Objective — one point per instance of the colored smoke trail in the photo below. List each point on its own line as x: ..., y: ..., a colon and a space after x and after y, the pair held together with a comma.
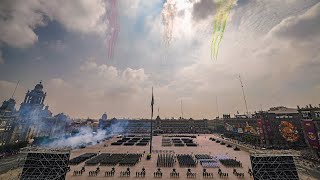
x: 114, y: 27
x: 168, y: 13
x: 220, y: 22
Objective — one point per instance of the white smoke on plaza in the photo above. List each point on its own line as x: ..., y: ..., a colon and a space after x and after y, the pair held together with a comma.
x: 87, y: 136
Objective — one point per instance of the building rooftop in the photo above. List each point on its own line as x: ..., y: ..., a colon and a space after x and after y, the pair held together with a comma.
x: 283, y: 110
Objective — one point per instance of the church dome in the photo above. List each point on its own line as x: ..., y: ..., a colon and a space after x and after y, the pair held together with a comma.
x: 39, y: 86
x: 104, y: 116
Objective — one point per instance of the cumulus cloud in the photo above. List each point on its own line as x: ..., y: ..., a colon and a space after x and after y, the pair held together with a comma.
x: 303, y: 27
x: 99, y: 87
x: 19, y: 18
x: 275, y: 72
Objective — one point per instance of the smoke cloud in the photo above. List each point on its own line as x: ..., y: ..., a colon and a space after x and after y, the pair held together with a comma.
x: 87, y: 136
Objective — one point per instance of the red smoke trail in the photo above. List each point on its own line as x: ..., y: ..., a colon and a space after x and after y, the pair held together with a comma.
x: 113, y: 26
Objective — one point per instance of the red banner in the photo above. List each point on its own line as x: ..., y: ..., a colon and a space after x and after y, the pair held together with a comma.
x: 311, y: 133
x: 260, y: 128
x: 268, y: 128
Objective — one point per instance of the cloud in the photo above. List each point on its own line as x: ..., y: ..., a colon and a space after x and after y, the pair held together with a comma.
x: 275, y: 72
x: 100, y: 88
x: 203, y: 9
x: 19, y: 18
x: 303, y: 27
x: 7, y: 88
x: 84, y: 16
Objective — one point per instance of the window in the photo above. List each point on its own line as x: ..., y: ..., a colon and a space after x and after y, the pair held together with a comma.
x: 305, y: 114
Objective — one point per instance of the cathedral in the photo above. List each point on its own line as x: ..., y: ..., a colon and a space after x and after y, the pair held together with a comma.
x: 33, y: 114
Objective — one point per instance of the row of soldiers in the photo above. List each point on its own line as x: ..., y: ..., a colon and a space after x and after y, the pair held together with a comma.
x: 186, y: 160
x: 206, y: 174
x: 222, y: 174
x: 239, y: 175
x: 231, y: 163
x: 165, y: 160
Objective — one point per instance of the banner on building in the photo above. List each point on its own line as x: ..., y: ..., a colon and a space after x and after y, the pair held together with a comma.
x: 311, y: 134
x: 289, y: 131
x: 269, y: 128
x: 260, y: 128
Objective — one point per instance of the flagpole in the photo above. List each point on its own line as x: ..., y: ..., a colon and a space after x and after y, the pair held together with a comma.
x: 152, y: 102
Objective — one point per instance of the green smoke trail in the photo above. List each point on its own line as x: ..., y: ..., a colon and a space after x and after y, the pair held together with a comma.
x: 220, y: 22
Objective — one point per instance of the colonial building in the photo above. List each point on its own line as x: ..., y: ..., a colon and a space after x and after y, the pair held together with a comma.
x: 311, y: 125
x: 159, y: 125
x: 279, y: 127
x: 8, y: 120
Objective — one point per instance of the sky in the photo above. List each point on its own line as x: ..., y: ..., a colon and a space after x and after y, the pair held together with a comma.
x: 274, y: 45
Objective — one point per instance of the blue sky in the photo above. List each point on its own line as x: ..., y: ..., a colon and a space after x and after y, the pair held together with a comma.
x: 272, y: 44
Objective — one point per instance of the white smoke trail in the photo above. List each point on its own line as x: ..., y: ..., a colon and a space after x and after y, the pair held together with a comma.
x: 168, y: 13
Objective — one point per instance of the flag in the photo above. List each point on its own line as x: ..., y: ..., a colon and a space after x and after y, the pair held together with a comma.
x: 152, y: 103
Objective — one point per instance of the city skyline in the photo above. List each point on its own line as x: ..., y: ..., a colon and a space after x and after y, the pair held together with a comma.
x: 273, y: 45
